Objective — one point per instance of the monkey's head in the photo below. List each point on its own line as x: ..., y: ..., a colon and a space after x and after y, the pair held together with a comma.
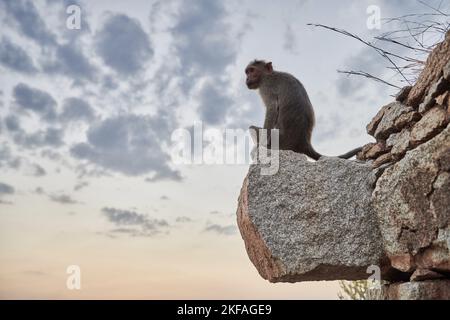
x: 256, y: 71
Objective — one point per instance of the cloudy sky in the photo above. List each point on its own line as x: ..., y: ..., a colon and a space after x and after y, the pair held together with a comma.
x: 87, y: 176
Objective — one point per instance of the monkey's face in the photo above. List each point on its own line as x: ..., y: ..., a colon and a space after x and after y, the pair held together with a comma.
x: 254, y: 77
x: 256, y: 71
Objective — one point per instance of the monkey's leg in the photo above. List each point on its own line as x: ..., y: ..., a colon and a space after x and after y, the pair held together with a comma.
x: 254, y: 134
x: 295, y: 137
x: 260, y: 136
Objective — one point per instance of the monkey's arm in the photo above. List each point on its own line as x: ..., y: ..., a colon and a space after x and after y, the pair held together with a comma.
x: 254, y: 133
x: 277, y: 115
x: 272, y: 116
x: 272, y: 121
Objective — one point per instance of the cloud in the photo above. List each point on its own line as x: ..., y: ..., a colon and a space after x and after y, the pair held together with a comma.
x: 53, y: 137
x: 70, y: 61
x: 80, y: 185
x: 15, y: 58
x: 369, y: 61
x: 39, y: 190
x: 365, y: 60
x: 222, y: 230
x: 183, y: 219
x: 7, y: 160
x: 76, y: 109
x: 221, y: 214
x: 123, y: 44
x: 142, y: 225
x: 204, y: 46
x: 39, y: 171
x: 123, y: 217
x: 6, y: 189
x: 62, y: 198
x: 36, y: 100
x: 161, y: 176
x: 290, y: 41
x: 214, y: 103
x: 203, y: 41
x: 30, y: 23
x: 129, y: 144
x: 65, y: 59
x: 330, y: 125
x: 12, y: 123
x: 109, y: 83
x: 51, y: 154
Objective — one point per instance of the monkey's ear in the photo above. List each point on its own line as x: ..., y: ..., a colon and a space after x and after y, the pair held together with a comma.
x: 269, y: 66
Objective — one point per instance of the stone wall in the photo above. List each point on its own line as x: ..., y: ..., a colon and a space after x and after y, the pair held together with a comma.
x: 412, y: 195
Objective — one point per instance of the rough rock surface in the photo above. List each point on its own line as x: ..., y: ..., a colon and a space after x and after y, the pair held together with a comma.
x: 431, y: 123
x: 439, y: 87
x: 391, y: 120
x: 372, y: 126
x: 362, y: 155
x: 425, y: 274
x: 422, y: 290
x: 437, y: 255
x: 412, y: 202
x: 384, y: 159
x: 311, y: 220
x: 399, y: 143
x: 443, y: 99
x: 376, y: 150
x: 436, y: 63
x: 403, y: 93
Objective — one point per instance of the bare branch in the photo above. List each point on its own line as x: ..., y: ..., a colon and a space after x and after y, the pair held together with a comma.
x: 412, y: 37
x: 382, y: 38
x: 380, y: 51
x: 433, y: 8
x: 369, y: 76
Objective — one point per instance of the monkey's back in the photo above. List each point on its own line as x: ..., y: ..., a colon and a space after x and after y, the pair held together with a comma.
x: 296, y: 114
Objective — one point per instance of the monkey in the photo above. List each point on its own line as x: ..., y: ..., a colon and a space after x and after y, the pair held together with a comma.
x: 288, y: 108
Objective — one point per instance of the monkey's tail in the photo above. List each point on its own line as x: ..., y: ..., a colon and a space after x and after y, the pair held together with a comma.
x: 350, y: 154
x: 313, y: 153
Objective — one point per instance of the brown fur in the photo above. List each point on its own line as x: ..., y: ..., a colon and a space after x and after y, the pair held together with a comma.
x: 288, y: 108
